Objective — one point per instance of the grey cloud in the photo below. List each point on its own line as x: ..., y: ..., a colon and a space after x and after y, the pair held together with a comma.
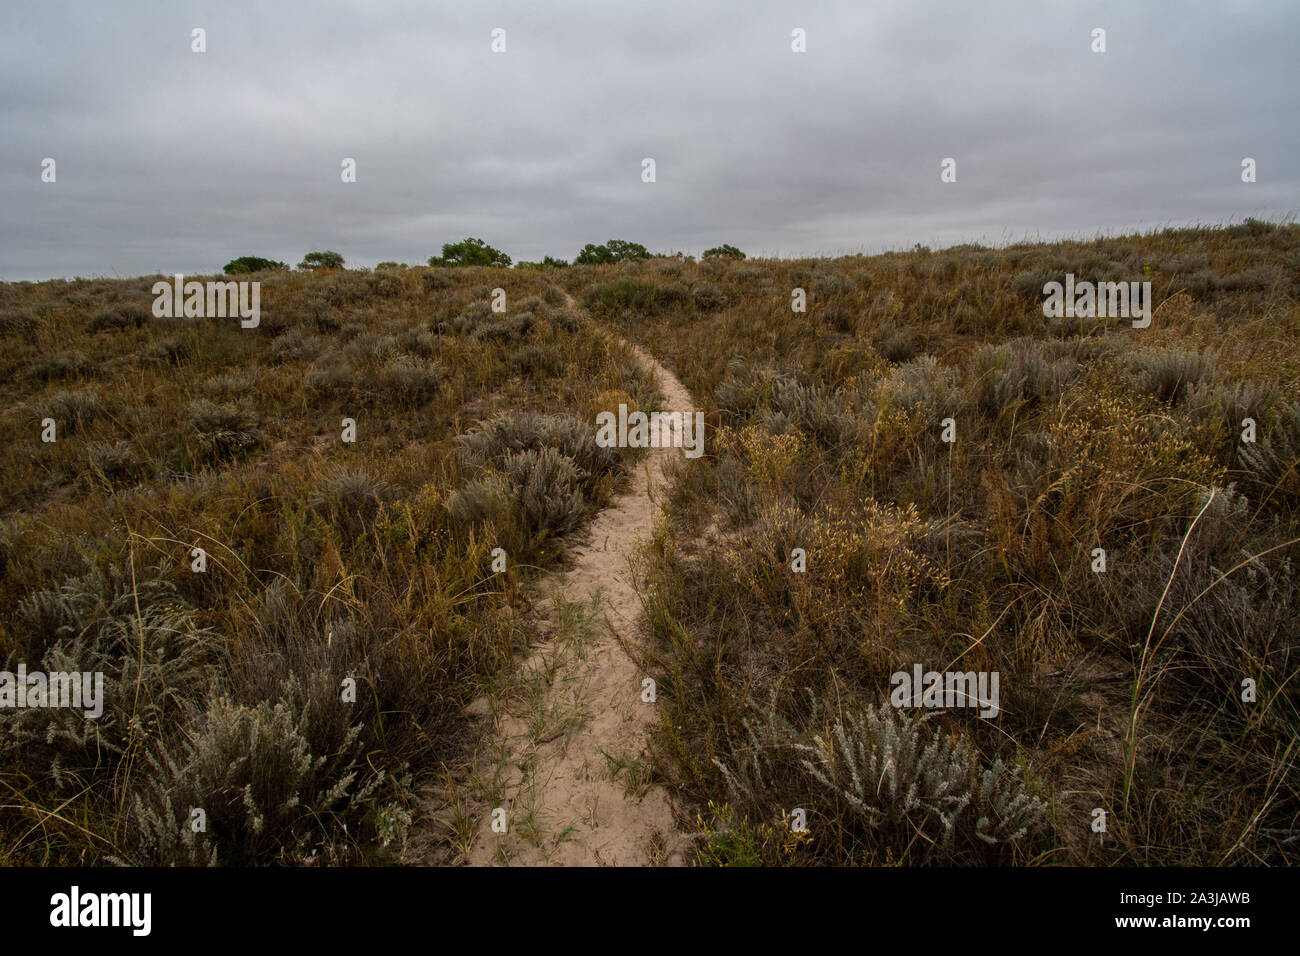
x: 172, y: 161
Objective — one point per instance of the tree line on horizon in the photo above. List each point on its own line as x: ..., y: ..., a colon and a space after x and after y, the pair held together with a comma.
x: 476, y: 252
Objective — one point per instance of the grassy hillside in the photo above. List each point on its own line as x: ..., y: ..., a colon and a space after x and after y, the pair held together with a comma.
x: 1121, y: 690
x: 326, y: 560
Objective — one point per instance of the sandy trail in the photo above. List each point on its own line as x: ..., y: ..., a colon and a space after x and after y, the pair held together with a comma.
x: 570, y: 755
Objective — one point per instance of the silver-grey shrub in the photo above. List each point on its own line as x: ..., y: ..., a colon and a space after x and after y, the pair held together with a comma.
x: 903, y: 791
x: 490, y: 443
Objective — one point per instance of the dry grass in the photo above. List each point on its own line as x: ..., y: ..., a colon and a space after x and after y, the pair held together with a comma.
x: 1120, y: 690
x: 326, y: 561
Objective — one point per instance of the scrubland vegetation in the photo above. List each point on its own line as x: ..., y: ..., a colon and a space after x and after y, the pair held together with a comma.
x: 325, y: 560
x: 1121, y: 690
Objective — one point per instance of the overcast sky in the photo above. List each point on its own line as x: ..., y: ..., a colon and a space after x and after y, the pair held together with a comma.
x: 175, y: 161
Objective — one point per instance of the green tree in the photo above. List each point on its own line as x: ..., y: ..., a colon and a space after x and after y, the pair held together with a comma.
x: 624, y: 251
x: 321, y: 260
x: 252, y: 264
x: 593, y: 255
x: 616, y: 250
x: 469, y: 252
x: 724, y: 251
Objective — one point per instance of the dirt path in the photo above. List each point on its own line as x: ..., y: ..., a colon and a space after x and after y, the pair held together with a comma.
x: 570, y: 761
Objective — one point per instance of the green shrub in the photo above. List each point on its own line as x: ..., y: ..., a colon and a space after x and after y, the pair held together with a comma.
x: 470, y: 252
x: 246, y: 264
x: 317, y: 261
x: 724, y: 251
x: 616, y: 250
